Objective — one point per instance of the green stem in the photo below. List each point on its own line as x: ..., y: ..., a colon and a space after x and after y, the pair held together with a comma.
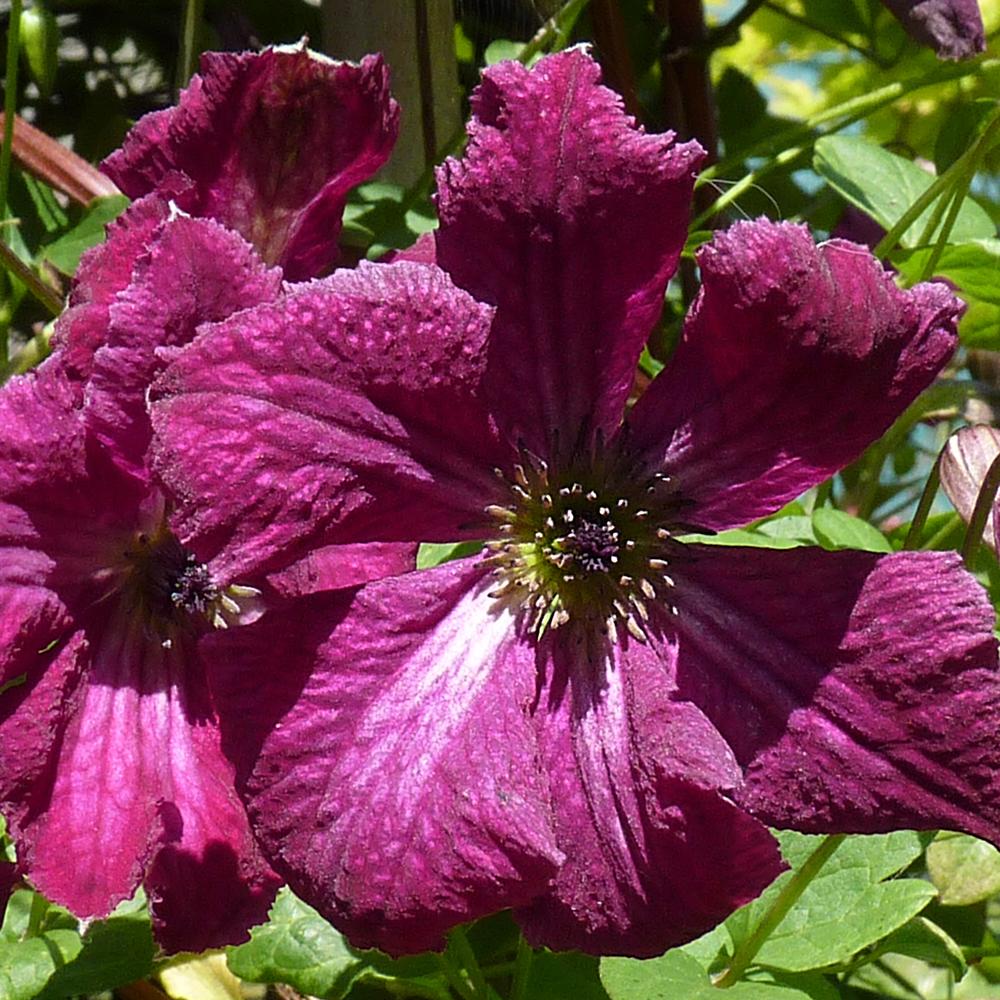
x: 39, y: 907
x: 779, y: 909
x: 941, y: 534
x: 856, y: 107
x: 187, y: 59
x: 522, y: 969
x: 925, y: 504
x: 980, y: 513
x: 9, y: 102
x: 459, y: 943
x: 45, y: 295
x: 455, y: 979
x: 868, y: 54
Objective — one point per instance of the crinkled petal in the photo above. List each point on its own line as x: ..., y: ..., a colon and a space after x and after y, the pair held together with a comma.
x: 195, y: 271
x: 742, y: 417
x: 570, y: 220
x: 138, y: 785
x: 345, y: 412
x: 104, y: 271
x: 655, y: 852
x: 967, y: 458
x: 953, y: 28
x: 273, y: 142
x: 390, y: 766
x: 860, y: 692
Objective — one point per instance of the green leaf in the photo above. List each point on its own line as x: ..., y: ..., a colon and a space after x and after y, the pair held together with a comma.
x: 115, y: 951
x: 65, y: 253
x: 849, y: 906
x: 963, y: 126
x: 501, y: 49
x: 922, y: 938
x: 26, y: 966
x: 677, y: 976
x: 836, y: 529
x: 743, y: 536
x: 885, y: 185
x: 297, y: 947
x: 564, y: 976
x: 974, y: 267
x: 798, y: 527
x: 964, y: 869
x: 432, y: 554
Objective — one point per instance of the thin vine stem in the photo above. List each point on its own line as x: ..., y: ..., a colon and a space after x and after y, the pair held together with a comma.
x: 925, y: 504
x: 459, y: 943
x: 522, y: 970
x: 188, y: 58
x: 980, y: 513
x: 10, y: 109
x: 744, y: 955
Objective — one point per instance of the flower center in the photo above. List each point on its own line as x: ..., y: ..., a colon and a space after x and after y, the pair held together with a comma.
x: 590, y: 545
x: 170, y: 587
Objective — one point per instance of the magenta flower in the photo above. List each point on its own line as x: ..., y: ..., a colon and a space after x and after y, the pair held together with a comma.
x: 592, y: 720
x: 953, y: 28
x: 270, y: 144
x: 111, y: 773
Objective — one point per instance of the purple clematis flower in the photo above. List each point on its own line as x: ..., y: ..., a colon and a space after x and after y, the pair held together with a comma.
x: 111, y: 773
x: 953, y: 28
x: 270, y: 144
x: 592, y: 720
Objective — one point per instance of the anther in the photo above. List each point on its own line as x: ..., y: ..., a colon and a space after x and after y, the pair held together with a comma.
x: 520, y: 475
x: 658, y: 564
x: 634, y: 630
x: 503, y: 513
x: 546, y: 501
x: 647, y: 588
x: 622, y: 504
x: 625, y: 581
x: 591, y: 496
x: 568, y: 517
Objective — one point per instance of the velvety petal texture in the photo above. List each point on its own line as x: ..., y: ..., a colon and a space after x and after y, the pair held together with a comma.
x: 570, y: 220
x: 273, y: 142
x: 401, y: 775
x: 352, y: 403
x: 953, y: 28
x: 967, y: 458
x: 863, y: 699
x: 193, y: 272
x: 110, y: 769
x: 405, y: 784
x: 743, y: 417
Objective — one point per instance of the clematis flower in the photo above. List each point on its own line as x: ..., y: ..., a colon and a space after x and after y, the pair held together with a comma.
x: 592, y: 719
x: 953, y: 28
x: 270, y: 144
x: 966, y: 461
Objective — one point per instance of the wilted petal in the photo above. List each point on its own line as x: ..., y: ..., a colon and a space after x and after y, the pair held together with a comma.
x: 570, y: 220
x: 390, y: 766
x: 352, y: 399
x: 967, y: 458
x: 104, y: 271
x: 794, y: 359
x: 273, y: 142
x: 865, y: 698
x: 953, y: 28
x: 138, y: 784
x: 194, y: 271
x: 655, y: 852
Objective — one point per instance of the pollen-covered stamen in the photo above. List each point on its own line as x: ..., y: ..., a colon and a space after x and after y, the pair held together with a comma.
x: 591, y: 545
x: 170, y: 587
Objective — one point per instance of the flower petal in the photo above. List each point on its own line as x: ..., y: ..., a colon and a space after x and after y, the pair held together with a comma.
x: 864, y: 699
x: 390, y: 767
x: 953, y: 28
x: 138, y: 784
x: 104, y: 271
x: 352, y: 399
x: 967, y: 458
x: 742, y: 416
x: 194, y: 271
x: 655, y: 854
x: 570, y: 220
x: 273, y: 141
x: 334, y: 567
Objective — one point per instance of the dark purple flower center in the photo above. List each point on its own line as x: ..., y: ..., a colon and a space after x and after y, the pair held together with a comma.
x: 591, y: 545
x: 168, y: 586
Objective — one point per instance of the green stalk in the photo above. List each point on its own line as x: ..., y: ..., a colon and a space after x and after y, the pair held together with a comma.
x: 522, y: 969
x: 187, y: 60
x: 459, y: 943
x: 925, y: 504
x: 9, y: 102
x: 980, y: 513
x: 45, y: 295
x: 787, y: 898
